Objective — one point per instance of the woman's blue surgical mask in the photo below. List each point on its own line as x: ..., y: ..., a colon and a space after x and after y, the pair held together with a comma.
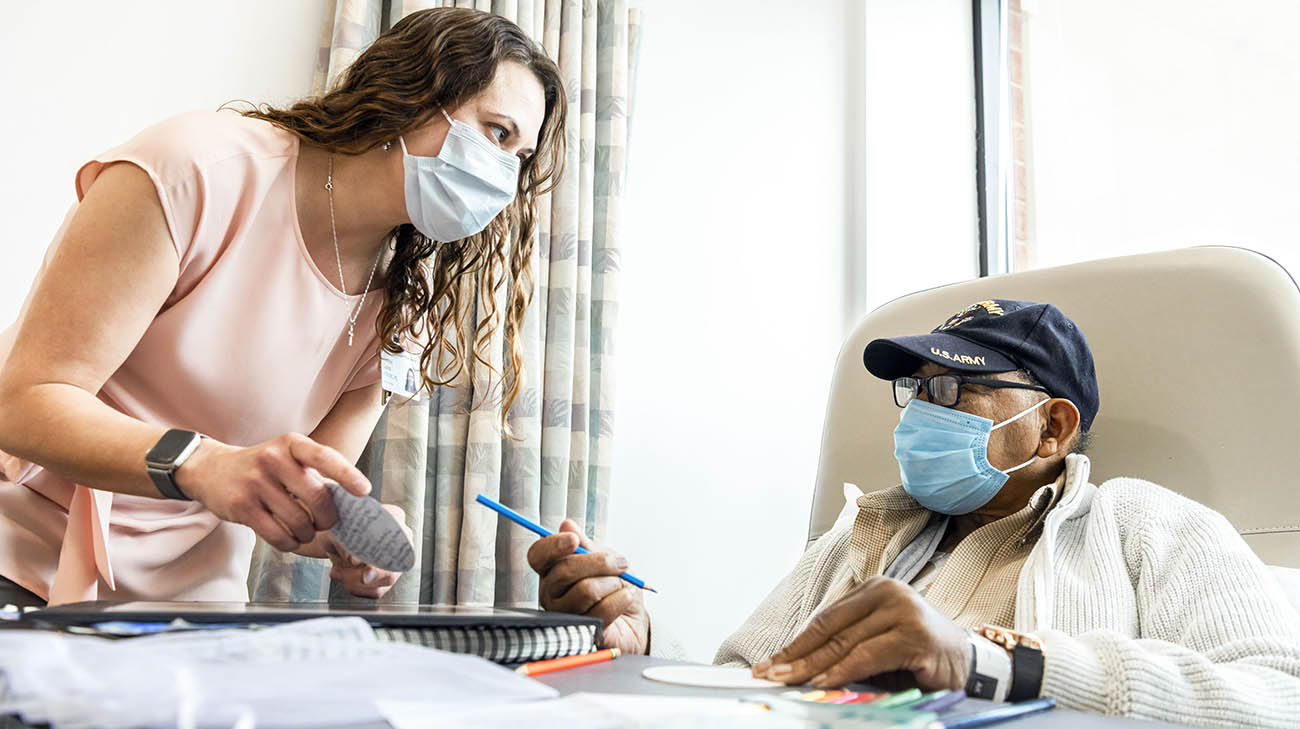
x: 457, y: 193
x: 943, y: 456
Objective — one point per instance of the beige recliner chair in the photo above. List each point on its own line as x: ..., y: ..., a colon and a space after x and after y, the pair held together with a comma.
x: 1198, y: 361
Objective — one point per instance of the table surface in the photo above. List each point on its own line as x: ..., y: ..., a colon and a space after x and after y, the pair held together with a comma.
x: 623, y: 676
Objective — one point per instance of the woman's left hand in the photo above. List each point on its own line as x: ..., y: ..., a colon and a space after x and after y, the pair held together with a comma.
x: 358, y: 578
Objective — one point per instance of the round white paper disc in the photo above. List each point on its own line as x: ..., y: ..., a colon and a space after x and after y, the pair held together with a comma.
x: 708, y: 677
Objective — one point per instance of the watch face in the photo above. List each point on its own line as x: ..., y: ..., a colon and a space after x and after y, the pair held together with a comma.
x: 171, y: 446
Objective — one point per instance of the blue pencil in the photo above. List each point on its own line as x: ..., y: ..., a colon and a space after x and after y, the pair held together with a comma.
x: 540, y: 530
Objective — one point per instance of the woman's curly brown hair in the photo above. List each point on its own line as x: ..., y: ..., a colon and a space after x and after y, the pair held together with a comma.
x: 433, y: 59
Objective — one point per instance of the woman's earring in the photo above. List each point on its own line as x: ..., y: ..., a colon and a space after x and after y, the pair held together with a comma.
x: 388, y: 145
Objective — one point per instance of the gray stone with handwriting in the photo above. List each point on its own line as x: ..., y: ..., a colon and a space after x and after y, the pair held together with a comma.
x: 369, y: 533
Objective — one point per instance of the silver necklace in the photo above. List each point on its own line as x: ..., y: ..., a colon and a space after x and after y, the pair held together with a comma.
x: 338, y: 258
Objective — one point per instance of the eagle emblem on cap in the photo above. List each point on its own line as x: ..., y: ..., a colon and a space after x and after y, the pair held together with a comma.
x: 991, y: 308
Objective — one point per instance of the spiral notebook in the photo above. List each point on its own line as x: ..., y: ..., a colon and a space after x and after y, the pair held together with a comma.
x: 503, y: 635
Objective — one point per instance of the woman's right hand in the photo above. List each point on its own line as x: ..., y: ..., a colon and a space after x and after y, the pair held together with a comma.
x: 276, y: 488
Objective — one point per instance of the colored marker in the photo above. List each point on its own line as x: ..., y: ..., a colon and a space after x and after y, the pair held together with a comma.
x: 559, y: 664
x: 902, y: 698
x: 939, y: 701
x: 1001, y: 713
x: 523, y: 521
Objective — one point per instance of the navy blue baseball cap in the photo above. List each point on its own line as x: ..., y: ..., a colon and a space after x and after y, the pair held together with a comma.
x: 1000, y: 335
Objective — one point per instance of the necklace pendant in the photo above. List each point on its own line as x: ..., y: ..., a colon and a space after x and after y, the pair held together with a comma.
x: 349, y: 336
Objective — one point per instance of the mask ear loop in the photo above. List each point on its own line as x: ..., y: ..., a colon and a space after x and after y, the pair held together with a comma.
x: 402, y: 140
x: 1013, y: 419
x: 1019, y: 415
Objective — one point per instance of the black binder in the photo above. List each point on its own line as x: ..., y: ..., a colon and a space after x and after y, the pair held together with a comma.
x: 503, y: 635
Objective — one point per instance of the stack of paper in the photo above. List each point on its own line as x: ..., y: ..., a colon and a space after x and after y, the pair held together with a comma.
x: 315, y: 673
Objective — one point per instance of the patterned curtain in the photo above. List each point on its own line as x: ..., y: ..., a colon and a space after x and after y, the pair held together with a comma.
x: 433, y: 457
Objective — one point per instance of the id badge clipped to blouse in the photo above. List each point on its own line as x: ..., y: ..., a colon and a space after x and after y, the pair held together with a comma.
x: 399, y: 375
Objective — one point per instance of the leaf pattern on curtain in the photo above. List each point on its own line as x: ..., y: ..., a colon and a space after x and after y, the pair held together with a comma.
x: 433, y: 457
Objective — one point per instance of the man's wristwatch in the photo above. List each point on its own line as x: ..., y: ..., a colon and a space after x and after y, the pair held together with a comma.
x: 990, y: 669
x: 1026, y: 654
x: 166, y: 456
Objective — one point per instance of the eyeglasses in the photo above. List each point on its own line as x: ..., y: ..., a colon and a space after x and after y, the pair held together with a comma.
x: 945, y: 389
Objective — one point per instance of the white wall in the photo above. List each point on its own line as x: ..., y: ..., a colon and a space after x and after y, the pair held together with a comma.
x: 744, y: 266
x: 1162, y: 124
x: 80, y: 77
x: 730, y: 299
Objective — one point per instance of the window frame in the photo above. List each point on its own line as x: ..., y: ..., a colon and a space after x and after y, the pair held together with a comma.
x: 993, y: 163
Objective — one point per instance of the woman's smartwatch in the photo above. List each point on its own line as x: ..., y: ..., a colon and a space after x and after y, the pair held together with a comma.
x: 166, y: 456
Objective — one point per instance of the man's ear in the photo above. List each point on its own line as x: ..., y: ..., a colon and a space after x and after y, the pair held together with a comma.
x: 1059, y: 426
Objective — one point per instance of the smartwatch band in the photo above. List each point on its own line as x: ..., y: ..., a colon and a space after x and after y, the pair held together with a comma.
x: 166, y: 484
x: 1026, y: 673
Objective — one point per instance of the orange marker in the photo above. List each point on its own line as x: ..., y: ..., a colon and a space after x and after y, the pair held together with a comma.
x: 559, y: 664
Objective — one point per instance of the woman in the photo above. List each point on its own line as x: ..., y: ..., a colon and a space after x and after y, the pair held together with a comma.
x: 234, y: 276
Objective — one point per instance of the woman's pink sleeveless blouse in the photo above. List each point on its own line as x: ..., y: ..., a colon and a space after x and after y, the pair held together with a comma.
x: 252, y: 343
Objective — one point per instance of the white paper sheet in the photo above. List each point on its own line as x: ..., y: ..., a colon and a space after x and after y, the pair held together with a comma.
x: 591, y: 711
x: 316, y: 673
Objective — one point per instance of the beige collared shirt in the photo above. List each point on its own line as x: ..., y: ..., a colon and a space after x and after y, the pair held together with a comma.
x: 976, y: 583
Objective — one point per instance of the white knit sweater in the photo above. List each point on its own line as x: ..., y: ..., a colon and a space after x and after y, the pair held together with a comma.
x: 1148, y: 604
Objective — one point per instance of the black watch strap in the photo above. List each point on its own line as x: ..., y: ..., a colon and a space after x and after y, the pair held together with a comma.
x: 166, y: 484
x: 1026, y: 673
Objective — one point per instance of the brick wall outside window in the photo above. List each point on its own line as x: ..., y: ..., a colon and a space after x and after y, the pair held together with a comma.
x: 1021, y: 241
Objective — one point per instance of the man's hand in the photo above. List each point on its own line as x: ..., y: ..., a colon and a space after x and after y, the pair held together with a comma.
x: 588, y: 584
x: 881, y: 626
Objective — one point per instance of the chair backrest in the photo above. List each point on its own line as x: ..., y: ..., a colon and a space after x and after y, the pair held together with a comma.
x: 1198, y: 362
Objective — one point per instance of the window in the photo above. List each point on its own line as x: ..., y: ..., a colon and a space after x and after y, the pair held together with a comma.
x: 1128, y: 127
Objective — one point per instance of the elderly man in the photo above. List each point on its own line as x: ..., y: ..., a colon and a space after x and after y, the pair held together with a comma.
x: 996, y: 566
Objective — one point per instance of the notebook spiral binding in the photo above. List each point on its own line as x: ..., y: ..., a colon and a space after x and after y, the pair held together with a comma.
x: 507, y: 645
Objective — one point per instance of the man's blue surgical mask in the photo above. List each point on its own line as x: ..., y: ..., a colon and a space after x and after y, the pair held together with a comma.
x: 943, y: 456
x: 457, y: 193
